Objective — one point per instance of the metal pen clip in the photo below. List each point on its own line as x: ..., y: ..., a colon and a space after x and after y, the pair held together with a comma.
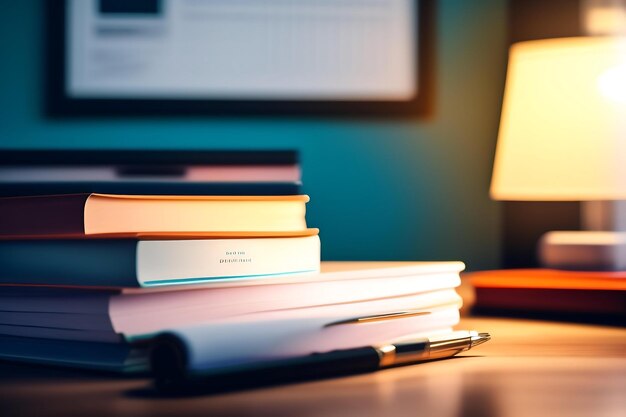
x: 379, y: 317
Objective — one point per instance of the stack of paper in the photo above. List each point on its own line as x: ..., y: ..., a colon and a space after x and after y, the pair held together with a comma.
x: 231, y: 321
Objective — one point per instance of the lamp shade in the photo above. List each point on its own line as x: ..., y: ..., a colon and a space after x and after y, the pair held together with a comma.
x: 563, y: 127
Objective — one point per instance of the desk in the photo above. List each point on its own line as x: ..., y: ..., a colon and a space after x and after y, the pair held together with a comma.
x: 571, y: 370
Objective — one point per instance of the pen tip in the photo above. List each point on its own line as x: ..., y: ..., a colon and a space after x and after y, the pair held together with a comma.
x: 480, y: 339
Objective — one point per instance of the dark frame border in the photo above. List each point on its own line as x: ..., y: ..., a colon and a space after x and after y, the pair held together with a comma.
x: 59, y: 104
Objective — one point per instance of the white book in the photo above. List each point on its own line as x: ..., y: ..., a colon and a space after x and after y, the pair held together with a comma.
x: 136, y: 311
x: 337, y: 282
x: 93, y: 328
x: 96, y: 326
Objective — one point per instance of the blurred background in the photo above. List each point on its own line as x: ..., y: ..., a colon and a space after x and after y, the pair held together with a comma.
x: 397, y: 186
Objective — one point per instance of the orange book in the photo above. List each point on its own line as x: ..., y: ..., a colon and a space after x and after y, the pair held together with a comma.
x: 551, y: 291
x: 107, y: 215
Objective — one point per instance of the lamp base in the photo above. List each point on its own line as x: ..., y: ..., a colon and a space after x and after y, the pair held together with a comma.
x: 583, y: 250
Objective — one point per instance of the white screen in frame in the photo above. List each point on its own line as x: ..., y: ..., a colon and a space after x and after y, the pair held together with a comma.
x: 242, y: 49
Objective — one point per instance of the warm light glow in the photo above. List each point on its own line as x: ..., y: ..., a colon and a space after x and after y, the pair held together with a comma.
x: 603, y: 17
x: 563, y: 127
x: 612, y: 83
x: 605, y: 20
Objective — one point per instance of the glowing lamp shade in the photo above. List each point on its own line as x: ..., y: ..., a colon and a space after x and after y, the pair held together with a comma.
x: 563, y: 126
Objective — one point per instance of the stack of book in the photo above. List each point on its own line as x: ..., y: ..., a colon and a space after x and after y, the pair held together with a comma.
x: 114, y: 242
x: 89, y: 279
x: 346, y: 305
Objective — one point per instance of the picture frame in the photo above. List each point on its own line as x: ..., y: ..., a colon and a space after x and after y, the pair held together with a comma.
x: 58, y: 103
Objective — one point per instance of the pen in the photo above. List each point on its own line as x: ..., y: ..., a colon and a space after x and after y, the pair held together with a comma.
x: 169, y: 368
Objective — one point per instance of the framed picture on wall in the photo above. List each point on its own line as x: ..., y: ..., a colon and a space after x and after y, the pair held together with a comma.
x: 216, y: 57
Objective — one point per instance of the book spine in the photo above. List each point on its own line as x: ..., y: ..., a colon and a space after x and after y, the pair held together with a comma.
x: 36, y: 216
x: 116, y: 357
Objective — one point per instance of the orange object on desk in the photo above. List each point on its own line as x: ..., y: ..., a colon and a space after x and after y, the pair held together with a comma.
x: 553, y: 291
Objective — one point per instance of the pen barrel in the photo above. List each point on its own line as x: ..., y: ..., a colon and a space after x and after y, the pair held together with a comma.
x: 323, y: 365
x: 408, y: 352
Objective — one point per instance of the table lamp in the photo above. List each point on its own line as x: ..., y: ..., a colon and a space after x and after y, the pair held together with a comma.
x: 562, y: 137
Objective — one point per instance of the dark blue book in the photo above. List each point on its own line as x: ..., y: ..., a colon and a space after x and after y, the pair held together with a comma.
x: 109, y: 357
x: 217, y: 173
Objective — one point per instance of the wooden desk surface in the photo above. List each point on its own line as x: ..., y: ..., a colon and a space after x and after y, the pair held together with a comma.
x: 530, y: 368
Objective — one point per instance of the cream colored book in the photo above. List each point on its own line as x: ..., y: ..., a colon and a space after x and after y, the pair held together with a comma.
x: 81, y: 215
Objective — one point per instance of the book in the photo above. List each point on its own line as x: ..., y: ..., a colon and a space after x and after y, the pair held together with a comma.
x: 145, y: 263
x: 148, y: 309
x: 107, y: 357
x: 73, y: 312
x: 80, y: 215
x: 96, y: 329
x: 28, y: 173
x: 149, y: 187
x: 129, y: 319
x: 576, y: 294
x: 144, y: 160
x: 22, y: 174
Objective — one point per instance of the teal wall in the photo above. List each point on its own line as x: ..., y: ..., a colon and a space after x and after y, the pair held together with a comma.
x: 380, y: 189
